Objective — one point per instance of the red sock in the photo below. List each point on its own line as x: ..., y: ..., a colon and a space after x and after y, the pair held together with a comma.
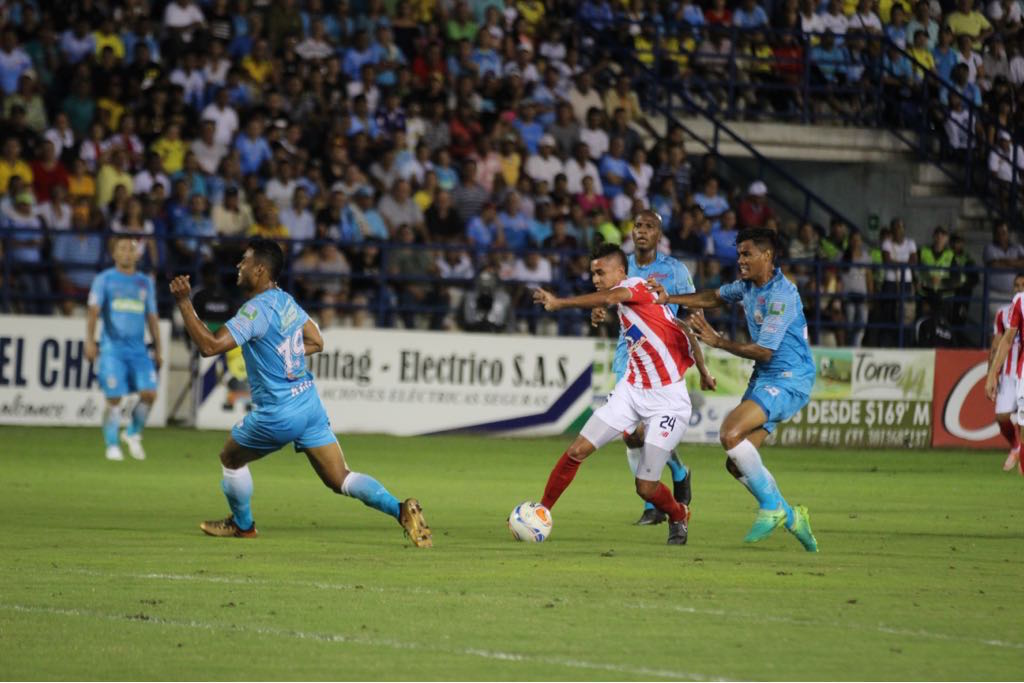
x: 1010, y: 432
x: 561, y: 476
x: 663, y: 500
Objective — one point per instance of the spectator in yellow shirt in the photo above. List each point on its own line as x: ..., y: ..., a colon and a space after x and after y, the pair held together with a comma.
x: 922, y: 55
x: 967, y: 20
x: 258, y: 65
x: 11, y: 164
x: 532, y: 11
x: 81, y: 184
x: 171, y: 149
x: 107, y: 37
x: 644, y: 45
x: 113, y: 172
x: 885, y: 9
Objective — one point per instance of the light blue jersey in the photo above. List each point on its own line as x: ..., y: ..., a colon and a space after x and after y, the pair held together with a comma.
x: 775, y: 320
x: 268, y: 329
x: 673, y: 276
x: 124, y: 302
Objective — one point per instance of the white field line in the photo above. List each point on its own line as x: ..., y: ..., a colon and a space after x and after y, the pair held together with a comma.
x: 880, y: 628
x: 728, y: 614
x: 572, y: 663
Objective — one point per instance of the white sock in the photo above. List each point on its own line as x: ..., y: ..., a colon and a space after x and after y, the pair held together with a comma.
x: 758, y: 480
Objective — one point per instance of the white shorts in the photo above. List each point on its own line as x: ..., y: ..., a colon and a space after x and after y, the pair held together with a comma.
x: 1006, y: 396
x: 1020, y: 400
x: 665, y: 412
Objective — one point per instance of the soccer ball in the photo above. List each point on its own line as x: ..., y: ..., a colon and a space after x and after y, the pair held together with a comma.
x: 530, y: 522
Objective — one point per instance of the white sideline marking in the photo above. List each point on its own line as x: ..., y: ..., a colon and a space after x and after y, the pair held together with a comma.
x: 362, y: 640
x: 879, y: 628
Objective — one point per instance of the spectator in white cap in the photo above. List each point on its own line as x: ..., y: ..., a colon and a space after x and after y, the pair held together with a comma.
x: 545, y: 165
x: 754, y: 211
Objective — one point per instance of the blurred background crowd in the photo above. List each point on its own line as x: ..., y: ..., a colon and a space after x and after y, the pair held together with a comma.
x: 424, y: 163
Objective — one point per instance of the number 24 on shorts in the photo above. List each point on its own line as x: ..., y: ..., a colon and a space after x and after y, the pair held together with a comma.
x: 667, y: 422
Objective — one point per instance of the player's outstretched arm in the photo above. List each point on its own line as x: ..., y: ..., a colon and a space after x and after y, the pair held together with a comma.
x: 1002, y: 350
x: 604, y: 299
x: 707, y: 298
x: 312, y: 340
x: 707, y: 334
x: 208, y: 343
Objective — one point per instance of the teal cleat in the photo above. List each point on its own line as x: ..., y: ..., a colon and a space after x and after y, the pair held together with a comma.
x: 767, y: 521
x: 802, y: 529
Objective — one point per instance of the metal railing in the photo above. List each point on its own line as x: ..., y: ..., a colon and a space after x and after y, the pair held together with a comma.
x: 914, y: 110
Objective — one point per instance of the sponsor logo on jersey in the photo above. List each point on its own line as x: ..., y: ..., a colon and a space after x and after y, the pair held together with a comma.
x: 128, y: 306
x: 249, y: 311
x: 776, y: 308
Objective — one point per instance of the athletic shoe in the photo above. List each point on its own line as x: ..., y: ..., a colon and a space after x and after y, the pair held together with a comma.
x: 681, y: 489
x: 651, y: 517
x: 410, y: 516
x: 677, y: 534
x: 767, y: 521
x: 226, y: 528
x: 802, y: 529
x: 114, y: 453
x: 134, y: 444
x: 1012, y: 459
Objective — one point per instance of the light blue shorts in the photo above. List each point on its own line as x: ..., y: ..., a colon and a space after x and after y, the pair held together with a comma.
x: 269, y: 429
x: 126, y: 373
x: 778, y: 401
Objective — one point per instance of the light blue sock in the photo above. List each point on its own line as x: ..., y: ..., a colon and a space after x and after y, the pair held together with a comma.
x: 367, y: 489
x: 139, y: 415
x: 759, y: 480
x: 677, y: 467
x: 237, y: 487
x: 111, y: 424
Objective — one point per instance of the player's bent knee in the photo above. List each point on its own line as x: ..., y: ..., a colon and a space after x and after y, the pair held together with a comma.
x: 731, y: 437
x: 116, y: 401
x: 148, y: 397
x: 646, y: 489
x: 579, y: 449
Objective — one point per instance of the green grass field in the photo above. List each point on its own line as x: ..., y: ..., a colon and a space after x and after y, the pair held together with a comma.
x: 105, y: 575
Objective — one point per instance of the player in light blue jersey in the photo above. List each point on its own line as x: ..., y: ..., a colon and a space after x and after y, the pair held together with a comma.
x: 780, y: 384
x: 275, y: 335
x: 126, y: 301
x: 647, y: 263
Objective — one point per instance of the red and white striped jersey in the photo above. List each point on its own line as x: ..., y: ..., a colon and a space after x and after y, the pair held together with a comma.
x: 1012, y: 315
x: 658, y: 351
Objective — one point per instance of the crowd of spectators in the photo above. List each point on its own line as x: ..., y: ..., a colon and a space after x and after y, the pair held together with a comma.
x: 462, y: 150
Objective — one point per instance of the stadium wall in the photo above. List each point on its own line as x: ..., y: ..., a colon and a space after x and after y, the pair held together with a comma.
x: 407, y: 383
x: 45, y: 378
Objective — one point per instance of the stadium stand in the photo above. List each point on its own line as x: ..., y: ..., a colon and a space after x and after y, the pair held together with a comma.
x: 424, y: 160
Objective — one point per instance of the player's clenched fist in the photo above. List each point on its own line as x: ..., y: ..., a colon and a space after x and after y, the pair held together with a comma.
x: 545, y: 298
x: 598, y: 316
x: 180, y: 287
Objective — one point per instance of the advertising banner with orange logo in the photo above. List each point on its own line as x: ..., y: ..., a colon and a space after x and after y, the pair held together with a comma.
x: 961, y: 415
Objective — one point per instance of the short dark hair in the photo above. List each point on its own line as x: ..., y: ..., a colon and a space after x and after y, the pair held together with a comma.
x: 269, y: 254
x: 763, y: 238
x: 608, y: 249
